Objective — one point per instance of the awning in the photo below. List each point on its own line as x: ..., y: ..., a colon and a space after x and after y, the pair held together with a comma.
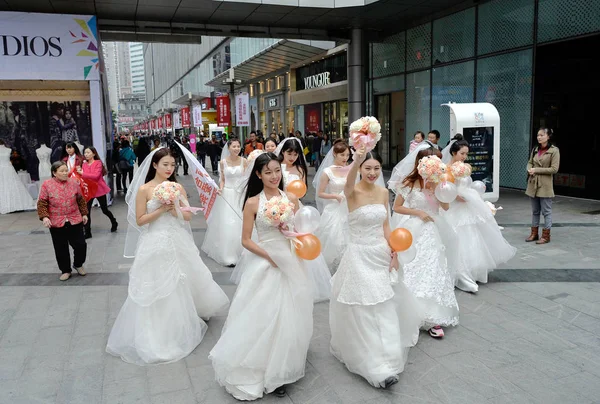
x: 187, y: 97
x: 278, y: 56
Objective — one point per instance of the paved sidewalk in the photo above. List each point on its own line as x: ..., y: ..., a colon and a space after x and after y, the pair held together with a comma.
x: 529, y: 336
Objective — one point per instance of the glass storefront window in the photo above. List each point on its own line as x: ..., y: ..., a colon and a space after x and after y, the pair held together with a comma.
x: 454, y: 37
x: 388, y: 56
x: 417, y: 103
x: 452, y: 83
x: 251, y: 90
x: 418, y: 47
x: 562, y: 19
x: 290, y: 121
x: 343, y: 119
x: 504, y: 24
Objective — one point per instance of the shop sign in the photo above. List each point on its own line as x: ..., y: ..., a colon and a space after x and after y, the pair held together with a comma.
x: 177, y: 120
x: 197, y: 111
x: 272, y: 102
x: 185, y: 117
x: 317, y: 80
x: 36, y: 46
x: 242, y: 109
x: 223, y: 113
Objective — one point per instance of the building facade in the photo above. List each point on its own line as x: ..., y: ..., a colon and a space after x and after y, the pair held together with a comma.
x: 136, y: 66
x: 534, y: 60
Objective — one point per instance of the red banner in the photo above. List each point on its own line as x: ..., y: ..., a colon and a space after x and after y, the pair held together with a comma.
x: 185, y: 117
x: 168, y: 121
x: 223, y: 113
x: 159, y: 122
x: 312, y: 118
x: 152, y: 125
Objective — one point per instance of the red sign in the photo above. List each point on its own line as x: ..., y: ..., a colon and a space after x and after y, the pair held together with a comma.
x: 223, y: 113
x: 168, y: 122
x: 185, y: 117
x: 152, y: 125
x: 312, y: 117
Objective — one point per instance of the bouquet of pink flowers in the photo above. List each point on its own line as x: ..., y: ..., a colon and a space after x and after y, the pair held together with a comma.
x: 365, y: 131
x: 255, y: 153
x: 431, y: 168
x: 460, y: 170
x: 278, y: 212
x: 167, y: 192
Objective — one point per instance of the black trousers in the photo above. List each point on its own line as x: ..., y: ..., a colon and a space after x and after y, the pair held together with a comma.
x: 214, y: 162
x: 124, y: 174
x: 116, y: 170
x: 64, y: 236
x: 186, y: 167
x: 104, y: 206
x: 202, y: 159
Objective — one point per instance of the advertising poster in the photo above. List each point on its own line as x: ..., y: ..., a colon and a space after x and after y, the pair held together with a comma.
x: 185, y: 117
x: 25, y: 126
x: 223, y: 112
x: 312, y: 118
x: 197, y: 115
x: 481, y: 152
x: 242, y: 109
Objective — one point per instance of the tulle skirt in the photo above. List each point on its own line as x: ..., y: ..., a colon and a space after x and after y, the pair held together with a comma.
x: 170, y: 291
x: 13, y: 194
x: 428, y: 276
x: 223, y: 239
x: 372, y: 338
x: 481, y: 248
x: 333, y: 233
x: 265, y: 339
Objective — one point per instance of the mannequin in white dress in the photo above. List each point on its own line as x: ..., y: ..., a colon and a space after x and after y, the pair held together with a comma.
x: 43, y: 154
x: 13, y: 194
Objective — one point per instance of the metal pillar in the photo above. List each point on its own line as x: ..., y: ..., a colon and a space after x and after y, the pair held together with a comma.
x: 356, y: 75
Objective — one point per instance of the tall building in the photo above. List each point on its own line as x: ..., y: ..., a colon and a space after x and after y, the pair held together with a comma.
x: 136, y: 64
x: 109, y: 54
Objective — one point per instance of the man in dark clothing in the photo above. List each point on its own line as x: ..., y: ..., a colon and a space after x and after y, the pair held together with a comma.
x: 185, y: 143
x: 201, y: 150
x: 214, y: 152
x: 316, y: 149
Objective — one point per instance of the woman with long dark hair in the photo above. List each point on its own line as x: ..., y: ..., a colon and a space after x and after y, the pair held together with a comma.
x: 293, y: 167
x: 171, y: 292
x: 223, y: 238
x: 373, y: 322
x: 544, y: 162
x: 73, y: 157
x: 264, y: 343
x: 481, y: 247
x: 94, y: 170
x: 427, y: 276
x: 292, y: 160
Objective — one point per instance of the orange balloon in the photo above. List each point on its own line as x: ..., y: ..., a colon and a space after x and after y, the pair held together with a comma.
x: 310, y: 248
x: 447, y: 177
x: 297, y: 188
x: 401, y: 239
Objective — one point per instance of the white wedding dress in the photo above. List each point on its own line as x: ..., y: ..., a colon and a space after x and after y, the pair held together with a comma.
x: 13, y: 194
x: 265, y: 339
x: 428, y: 276
x: 481, y: 247
x: 333, y: 228
x: 223, y: 238
x: 43, y: 154
x: 318, y: 271
x: 373, y: 323
x: 170, y: 292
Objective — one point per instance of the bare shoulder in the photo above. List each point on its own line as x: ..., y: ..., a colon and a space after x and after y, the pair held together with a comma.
x: 252, y: 204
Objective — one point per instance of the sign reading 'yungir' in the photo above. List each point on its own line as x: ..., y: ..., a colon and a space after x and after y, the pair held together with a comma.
x: 317, y: 80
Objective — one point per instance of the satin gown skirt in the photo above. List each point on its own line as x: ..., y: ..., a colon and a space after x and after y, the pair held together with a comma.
x: 13, y: 194
x: 333, y: 233
x: 268, y: 330
x: 223, y: 239
x: 170, y: 292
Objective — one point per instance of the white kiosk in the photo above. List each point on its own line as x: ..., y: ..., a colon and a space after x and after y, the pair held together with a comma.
x: 479, y: 123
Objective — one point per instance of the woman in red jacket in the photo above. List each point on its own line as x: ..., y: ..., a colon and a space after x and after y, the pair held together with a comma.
x: 93, y: 169
x: 72, y: 156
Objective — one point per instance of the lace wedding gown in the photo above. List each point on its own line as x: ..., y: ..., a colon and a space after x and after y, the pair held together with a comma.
x: 223, y: 238
x: 318, y: 271
x: 373, y: 323
x: 481, y: 247
x: 333, y: 229
x: 428, y: 276
x: 13, y: 194
x: 170, y: 292
x: 265, y: 339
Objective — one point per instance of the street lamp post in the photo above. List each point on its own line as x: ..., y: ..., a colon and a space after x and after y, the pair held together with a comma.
x: 232, y: 81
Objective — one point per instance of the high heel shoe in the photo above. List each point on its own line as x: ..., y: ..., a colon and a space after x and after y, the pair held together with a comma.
x: 114, y: 226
